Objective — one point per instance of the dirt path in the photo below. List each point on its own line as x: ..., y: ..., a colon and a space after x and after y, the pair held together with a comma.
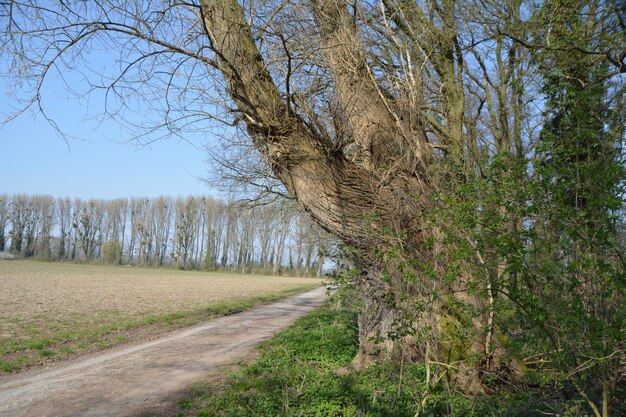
x: 145, y: 378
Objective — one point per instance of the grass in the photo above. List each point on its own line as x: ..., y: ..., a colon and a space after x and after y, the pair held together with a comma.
x: 305, y: 371
x: 56, y: 310
x: 294, y: 374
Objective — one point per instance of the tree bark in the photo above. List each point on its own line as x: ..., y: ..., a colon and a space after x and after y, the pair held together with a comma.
x: 346, y: 199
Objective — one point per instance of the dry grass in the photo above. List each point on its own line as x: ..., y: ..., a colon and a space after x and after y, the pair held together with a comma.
x: 57, y: 309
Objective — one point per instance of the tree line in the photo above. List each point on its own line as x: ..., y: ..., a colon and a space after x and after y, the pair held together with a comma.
x: 190, y: 233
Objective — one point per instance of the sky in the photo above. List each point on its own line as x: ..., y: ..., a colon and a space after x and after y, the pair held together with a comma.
x: 95, y: 160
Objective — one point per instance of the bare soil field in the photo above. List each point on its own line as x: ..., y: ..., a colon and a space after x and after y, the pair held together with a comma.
x: 55, y: 310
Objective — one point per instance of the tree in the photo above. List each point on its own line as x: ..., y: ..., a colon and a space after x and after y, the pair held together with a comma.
x: 45, y: 205
x: 144, y: 220
x: 115, y: 229
x: 266, y: 233
x: 4, y: 218
x: 88, y: 225
x: 580, y: 179
x: 64, y: 221
x: 162, y: 221
x: 185, y: 231
x: 282, y: 226
x: 19, y: 215
x: 214, y: 212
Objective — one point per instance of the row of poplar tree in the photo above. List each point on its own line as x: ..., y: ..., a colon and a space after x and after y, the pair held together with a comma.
x: 190, y: 233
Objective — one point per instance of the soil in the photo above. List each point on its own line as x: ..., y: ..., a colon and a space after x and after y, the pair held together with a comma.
x: 52, y: 292
x: 147, y: 379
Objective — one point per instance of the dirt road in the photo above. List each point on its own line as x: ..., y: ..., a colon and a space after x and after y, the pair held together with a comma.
x: 142, y: 379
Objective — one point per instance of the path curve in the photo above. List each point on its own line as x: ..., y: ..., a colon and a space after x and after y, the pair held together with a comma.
x: 143, y: 378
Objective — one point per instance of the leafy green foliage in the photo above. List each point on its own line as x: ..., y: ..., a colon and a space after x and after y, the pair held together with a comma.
x: 550, y: 265
x: 577, y: 198
x: 112, y: 252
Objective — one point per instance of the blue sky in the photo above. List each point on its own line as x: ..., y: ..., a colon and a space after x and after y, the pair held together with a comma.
x: 98, y: 163
x: 98, y: 159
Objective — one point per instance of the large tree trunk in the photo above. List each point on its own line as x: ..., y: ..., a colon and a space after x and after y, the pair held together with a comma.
x: 375, y: 203
x: 375, y: 321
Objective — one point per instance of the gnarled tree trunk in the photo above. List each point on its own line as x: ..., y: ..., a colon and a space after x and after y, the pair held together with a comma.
x: 374, y: 202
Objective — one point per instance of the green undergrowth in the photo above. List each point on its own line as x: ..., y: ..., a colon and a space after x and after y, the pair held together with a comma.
x: 305, y: 371
x: 80, y: 334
